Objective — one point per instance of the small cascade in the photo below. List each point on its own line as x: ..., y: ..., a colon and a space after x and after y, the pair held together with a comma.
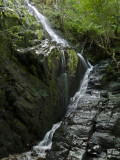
x: 44, y: 22
x: 65, y: 77
x: 45, y: 144
x: 84, y: 63
x: 76, y: 98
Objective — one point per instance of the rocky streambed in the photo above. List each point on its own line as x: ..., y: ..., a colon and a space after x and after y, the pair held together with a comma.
x: 92, y: 130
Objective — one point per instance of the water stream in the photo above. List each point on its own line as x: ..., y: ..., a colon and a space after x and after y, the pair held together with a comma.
x: 46, y: 143
x: 45, y: 23
x: 82, y: 89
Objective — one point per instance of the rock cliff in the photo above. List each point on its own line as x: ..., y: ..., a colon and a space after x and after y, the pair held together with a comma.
x: 32, y: 81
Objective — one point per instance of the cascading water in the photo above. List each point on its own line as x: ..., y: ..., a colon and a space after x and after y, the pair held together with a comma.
x: 74, y: 100
x: 46, y: 143
x: 84, y: 63
x: 43, y: 20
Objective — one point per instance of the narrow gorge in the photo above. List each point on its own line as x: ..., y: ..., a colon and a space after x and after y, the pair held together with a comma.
x: 54, y: 104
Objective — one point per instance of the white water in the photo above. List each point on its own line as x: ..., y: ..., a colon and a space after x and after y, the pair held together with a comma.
x: 78, y: 95
x: 84, y: 63
x: 46, y: 143
x: 44, y: 22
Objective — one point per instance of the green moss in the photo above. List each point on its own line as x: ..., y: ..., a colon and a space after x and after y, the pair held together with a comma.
x: 29, y: 35
x: 1, y: 3
x: 10, y: 19
x: 110, y: 70
x: 15, y: 29
x: 17, y: 19
x: 35, y: 26
x: 110, y: 75
x: 40, y: 34
x: 53, y: 61
x: 53, y: 91
x: 72, y: 61
x: 5, y: 46
x: 18, y: 123
x: 2, y: 99
x: 33, y: 70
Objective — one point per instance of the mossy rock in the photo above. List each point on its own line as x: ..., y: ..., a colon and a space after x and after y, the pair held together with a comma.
x: 72, y: 61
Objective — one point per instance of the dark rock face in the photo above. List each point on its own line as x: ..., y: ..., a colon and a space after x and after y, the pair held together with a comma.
x: 32, y: 86
x: 91, y: 132
x: 33, y: 97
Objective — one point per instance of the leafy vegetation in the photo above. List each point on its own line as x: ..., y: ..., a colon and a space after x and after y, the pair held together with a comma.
x: 93, y: 24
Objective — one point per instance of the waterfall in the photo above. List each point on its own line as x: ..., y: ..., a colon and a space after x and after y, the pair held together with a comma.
x: 46, y: 143
x: 44, y: 22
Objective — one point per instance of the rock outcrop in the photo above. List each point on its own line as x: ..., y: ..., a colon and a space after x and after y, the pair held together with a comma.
x: 32, y: 82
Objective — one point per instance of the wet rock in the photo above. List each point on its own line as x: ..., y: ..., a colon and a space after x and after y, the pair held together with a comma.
x: 34, y: 154
x: 113, y: 154
x: 103, y: 155
x: 118, y: 79
x: 114, y: 87
x: 76, y: 154
x: 41, y: 158
x: 97, y: 148
x: 103, y: 139
x: 104, y: 94
x: 94, y: 149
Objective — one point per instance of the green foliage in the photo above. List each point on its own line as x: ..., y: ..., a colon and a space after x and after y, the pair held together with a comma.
x: 95, y: 22
x: 86, y: 18
x: 93, y: 15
